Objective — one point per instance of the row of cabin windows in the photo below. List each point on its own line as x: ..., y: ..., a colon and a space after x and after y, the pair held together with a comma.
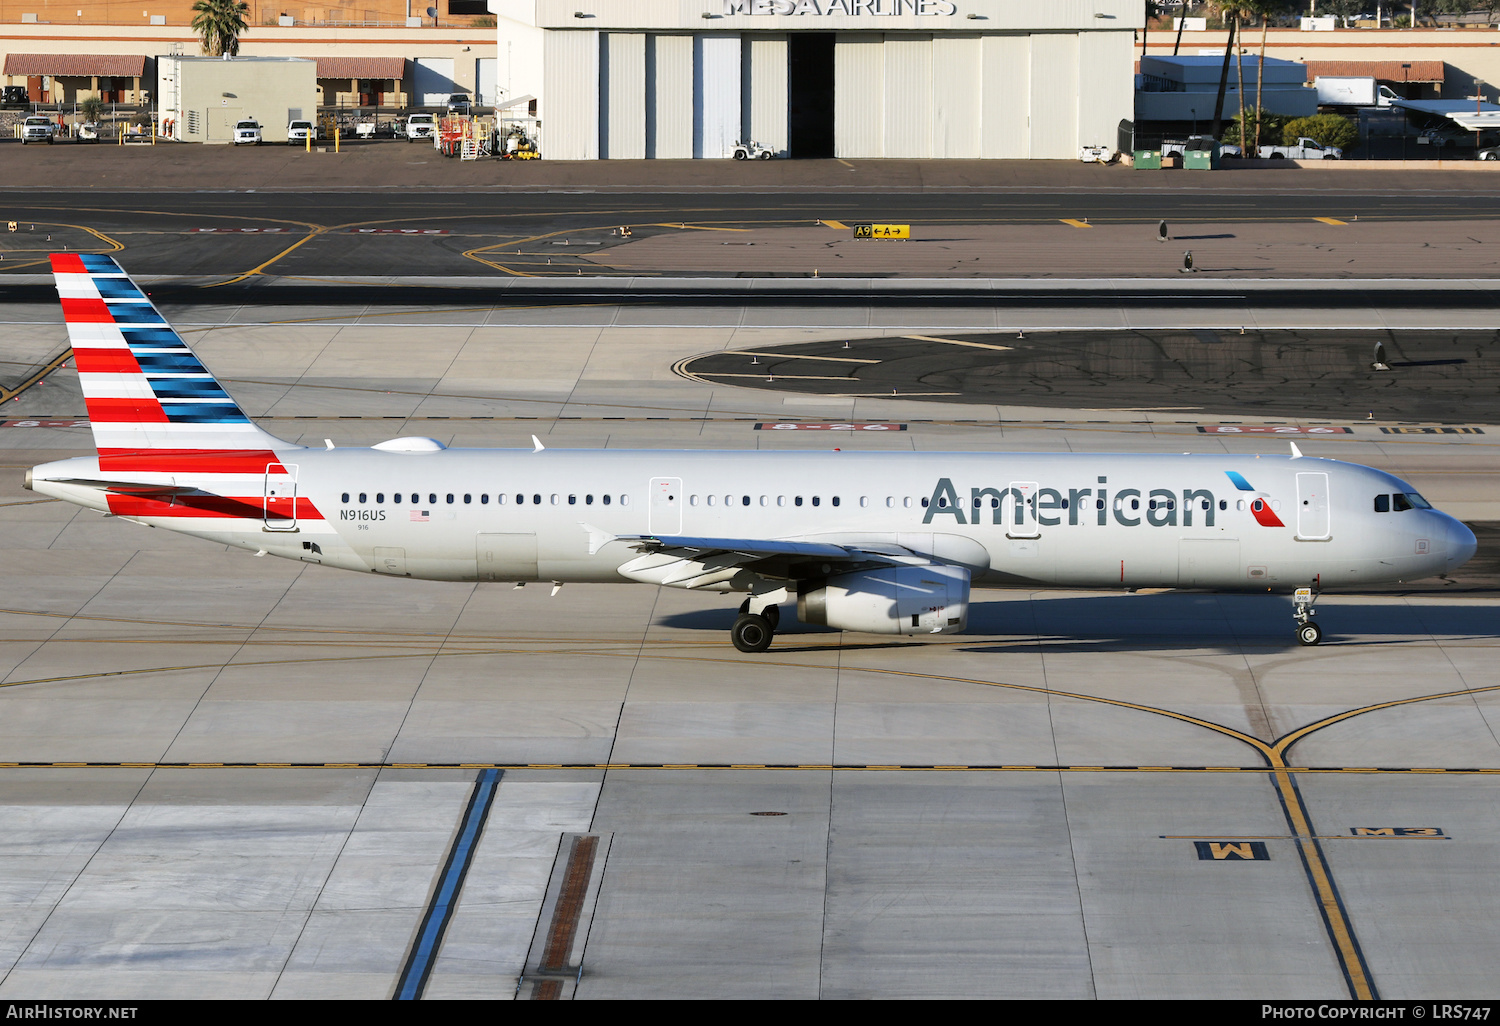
x: 1382, y: 502
x: 1400, y: 502
x: 415, y: 499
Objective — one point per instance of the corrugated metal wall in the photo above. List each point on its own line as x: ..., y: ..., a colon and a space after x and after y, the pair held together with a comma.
x: 763, y: 89
x: 917, y: 95
x: 1102, y: 104
x: 622, y: 99
x: 1054, y: 96
x: 1005, y: 130
x: 569, y: 107
x: 957, y: 96
x: 908, y: 96
x: 669, y: 81
x: 858, y: 95
x: 716, y: 94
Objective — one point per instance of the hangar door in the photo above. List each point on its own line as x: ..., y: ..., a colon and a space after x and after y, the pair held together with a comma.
x: 484, y: 81
x: 716, y: 94
x: 432, y: 81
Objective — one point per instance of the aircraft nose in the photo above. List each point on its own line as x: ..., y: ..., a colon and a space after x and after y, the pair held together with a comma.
x: 1461, y: 544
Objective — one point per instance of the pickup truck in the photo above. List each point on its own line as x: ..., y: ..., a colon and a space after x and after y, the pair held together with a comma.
x: 1303, y: 149
x: 421, y: 126
x: 299, y: 132
x: 37, y: 129
x: 247, y: 132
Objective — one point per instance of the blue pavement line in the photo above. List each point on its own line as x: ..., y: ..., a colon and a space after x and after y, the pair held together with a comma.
x: 445, y: 898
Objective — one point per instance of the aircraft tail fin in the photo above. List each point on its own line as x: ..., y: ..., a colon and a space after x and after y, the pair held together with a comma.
x: 147, y: 394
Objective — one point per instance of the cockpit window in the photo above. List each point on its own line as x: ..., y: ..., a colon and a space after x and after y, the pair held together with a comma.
x: 1417, y: 501
x: 1400, y: 503
x: 1382, y: 504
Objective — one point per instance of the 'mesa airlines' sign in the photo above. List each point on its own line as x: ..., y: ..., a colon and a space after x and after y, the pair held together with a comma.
x: 850, y: 8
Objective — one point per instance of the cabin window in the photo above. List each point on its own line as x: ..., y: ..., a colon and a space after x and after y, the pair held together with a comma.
x: 942, y: 502
x: 745, y: 501
x: 380, y: 497
x: 556, y: 498
x: 624, y: 500
x: 713, y: 499
x: 781, y: 500
x: 729, y: 500
x: 1135, y: 503
x: 396, y: 498
x: 432, y: 499
x: 1240, y: 505
x: 907, y: 502
x: 450, y: 498
x: 890, y: 502
x: 572, y: 500
x: 835, y: 500
x: 765, y: 500
x: 817, y: 501
x: 1223, y: 503
x: 361, y: 496
x: 925, y: 500
x: 797, y: 501
x: 606, y: 500
x: 484, y: 500
x: 346, y: 497
x: 588, y: 500
x: 864, y: 501
x: 536, y: 500
x: 1098, y: 503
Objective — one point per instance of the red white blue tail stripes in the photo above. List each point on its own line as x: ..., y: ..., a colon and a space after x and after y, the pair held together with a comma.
x: 145, y: 389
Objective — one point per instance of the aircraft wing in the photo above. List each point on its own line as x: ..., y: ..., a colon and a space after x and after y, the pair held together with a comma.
x: 752, y: 548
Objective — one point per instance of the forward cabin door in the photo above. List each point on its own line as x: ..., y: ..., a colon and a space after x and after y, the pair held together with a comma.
x: 666, y: 506
x: 1018, y: 510
x: 279, y: 500
x: 1313, y: 518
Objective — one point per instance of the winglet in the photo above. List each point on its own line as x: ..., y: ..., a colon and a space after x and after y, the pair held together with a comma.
x: 536, y: 443
x: 1296, y: 452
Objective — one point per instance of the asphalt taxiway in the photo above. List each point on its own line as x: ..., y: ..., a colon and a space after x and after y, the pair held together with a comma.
x: 229, y: 776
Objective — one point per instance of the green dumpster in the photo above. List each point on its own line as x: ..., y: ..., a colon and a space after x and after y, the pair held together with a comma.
x: 1202, y: 159
x: 1147, y: 160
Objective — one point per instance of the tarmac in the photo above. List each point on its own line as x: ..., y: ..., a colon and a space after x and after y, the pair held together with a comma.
x: 223, y: 776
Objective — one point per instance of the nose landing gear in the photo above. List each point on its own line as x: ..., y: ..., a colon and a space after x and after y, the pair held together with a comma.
x: 1308, y: 632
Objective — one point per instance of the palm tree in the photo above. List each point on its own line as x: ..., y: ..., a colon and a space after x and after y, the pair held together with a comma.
x: 219, y: 23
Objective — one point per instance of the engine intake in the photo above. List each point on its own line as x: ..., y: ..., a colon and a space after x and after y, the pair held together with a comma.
x: 892, y: 600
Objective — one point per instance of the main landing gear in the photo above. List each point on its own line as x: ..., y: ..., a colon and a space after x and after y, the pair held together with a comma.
x: 752, y: 632
x: 1308, y: 632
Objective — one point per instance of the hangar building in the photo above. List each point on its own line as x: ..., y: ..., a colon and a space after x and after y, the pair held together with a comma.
x: 821, y: 78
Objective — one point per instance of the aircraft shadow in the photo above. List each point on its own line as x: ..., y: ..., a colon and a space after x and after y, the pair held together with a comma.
x: 1174, y: 620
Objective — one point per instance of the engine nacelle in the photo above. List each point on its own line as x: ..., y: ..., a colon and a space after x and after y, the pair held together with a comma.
x: 891, y: 600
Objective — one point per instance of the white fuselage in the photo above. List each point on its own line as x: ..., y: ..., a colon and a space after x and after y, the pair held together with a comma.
x: 1085, y: 520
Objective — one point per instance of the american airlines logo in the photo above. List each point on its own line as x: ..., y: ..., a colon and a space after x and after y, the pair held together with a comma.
x: 1017, y: 503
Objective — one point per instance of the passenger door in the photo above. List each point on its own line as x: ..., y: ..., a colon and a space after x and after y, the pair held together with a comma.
x: 665, y: 515
x: 1314, y: 522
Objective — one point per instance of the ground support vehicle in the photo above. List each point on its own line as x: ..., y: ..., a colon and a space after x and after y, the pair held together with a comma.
x: 421, y: 126
x: 751, y: 150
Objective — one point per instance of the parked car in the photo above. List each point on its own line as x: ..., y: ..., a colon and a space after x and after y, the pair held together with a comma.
x: 299, y: 132
x: 14, y: 96
x: 458, y: 103
x: 1448, y: 136
x: 38, y: 129
x: 421, y: 126
x: 1492, y: 153
x: 247, y: 132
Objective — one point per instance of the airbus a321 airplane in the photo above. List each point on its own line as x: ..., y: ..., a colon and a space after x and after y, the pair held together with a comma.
x: 881, y: 542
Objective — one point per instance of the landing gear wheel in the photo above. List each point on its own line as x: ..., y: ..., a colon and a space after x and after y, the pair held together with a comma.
x: 1309, y: 634
x: 771, y: 613
x: 751, y: 633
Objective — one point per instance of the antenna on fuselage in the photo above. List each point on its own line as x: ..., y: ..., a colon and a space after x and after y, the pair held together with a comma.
x: 537, y: 444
